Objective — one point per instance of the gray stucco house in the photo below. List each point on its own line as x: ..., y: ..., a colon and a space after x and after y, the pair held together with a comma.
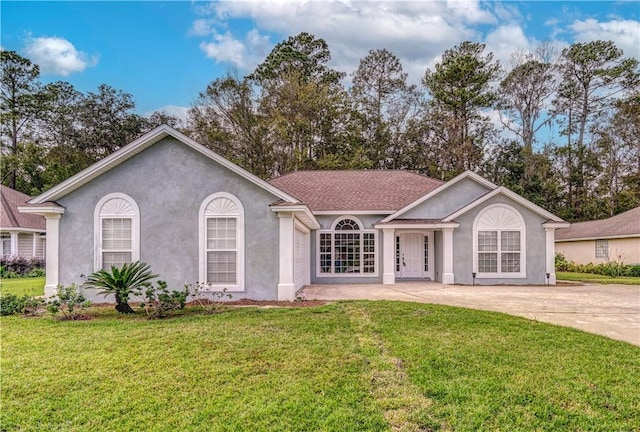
x: 195, y: 216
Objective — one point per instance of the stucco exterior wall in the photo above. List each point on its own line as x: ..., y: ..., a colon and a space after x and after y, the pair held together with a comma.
x: 584, y: 251
x: 446, y: 202
x: 535, y: 246
x: 326, y: 221
x: 169, y: 181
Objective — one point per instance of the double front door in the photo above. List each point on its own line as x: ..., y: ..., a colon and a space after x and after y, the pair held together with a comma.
x: 414, y: 256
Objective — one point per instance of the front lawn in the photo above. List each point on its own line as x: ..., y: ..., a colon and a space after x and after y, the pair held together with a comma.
x: 30, y: 286
x: 594, y: 278
x: 351, y: 366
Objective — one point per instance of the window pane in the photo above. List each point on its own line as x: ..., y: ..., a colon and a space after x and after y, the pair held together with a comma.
x: 325, y: 253
x: 487, y: 240
x: 221, y: 267
x: 368, y: 254
x: 347, y: 252
x: 510, y: 262
x: 510, y: 241
x: 221, y: 233
x: 347, y: 225
x: 488, y: 262
x: 602, y: 249
x: 426, y: 253
x: 115, y: 259
x: 116, y: 234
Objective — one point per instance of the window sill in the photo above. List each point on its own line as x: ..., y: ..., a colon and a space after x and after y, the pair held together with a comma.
x: 220, y: 287
x: 501, y: 275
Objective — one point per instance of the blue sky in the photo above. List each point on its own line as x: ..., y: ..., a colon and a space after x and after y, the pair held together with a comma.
x: 164, y: 53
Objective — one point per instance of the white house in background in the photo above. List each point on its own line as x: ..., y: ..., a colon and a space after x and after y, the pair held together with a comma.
x: 22, y: 234
x: 195, y: 216
x: 613, y: 239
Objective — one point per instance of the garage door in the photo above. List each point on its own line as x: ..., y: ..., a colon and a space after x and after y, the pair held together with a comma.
x: 301, y: 259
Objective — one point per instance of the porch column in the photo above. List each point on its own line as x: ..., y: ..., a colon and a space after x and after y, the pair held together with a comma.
x: 550, y: 237
x: 286, y: 287
x: 388, y: 256
x: 14, y: 244
x: 447, y: 256
x: 52, y: 250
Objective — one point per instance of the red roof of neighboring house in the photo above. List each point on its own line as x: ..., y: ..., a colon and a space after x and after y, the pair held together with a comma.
x: 625, y: 224
x: 10, y: 217
x: 386, y: 190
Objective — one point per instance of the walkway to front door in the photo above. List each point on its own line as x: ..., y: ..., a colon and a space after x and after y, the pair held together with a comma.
x: 609, y: 310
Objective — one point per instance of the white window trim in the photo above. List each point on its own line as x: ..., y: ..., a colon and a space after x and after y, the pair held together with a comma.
x: 361, y: 231
x: 97, y: 228
x: 523, y: 246
x: 240, y: 246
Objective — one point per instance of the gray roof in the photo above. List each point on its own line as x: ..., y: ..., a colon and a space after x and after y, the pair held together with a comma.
x: 386, y: 190
x: 623, y: 225
x: 10, y: 217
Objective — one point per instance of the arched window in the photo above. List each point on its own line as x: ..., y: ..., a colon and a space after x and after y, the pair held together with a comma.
x: 117, y: 231
x: 222, y: 242
x: 499, y: 243
x: 347, y: 249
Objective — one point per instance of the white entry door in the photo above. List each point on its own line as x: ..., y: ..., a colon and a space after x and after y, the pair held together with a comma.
x: 411, y: 255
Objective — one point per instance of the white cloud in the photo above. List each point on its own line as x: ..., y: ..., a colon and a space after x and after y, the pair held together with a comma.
x: 243, y: 54
x: 417, y: 32
x: 624, y: 33
x: 505, y: 40
x: 176, y: 111
x: 57, y: 56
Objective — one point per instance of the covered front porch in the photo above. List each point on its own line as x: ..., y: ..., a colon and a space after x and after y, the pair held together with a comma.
x: 417, y: 249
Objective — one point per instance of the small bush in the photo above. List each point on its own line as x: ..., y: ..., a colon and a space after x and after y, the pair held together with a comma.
x: 19, y: 265
x: 159, y: 299
x: 39, y: 272
x: 208, y: 299
x: 69, y: 301
x: 614, y: 268
x: 11, y: 304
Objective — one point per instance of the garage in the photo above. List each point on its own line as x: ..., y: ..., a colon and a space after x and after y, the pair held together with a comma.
x: 301, y: 274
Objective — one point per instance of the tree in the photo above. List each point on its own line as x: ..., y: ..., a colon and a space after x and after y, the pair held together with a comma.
x: 460, y: 89
x: 19, y: 104
x: 523, y: 98
x: 303, y: 53
x: 592, y: 73
x: 385, y: 103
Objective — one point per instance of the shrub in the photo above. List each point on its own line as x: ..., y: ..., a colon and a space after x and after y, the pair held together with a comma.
x: 208, y: 299
x: 8, y: 274
x: 70, y: 301
x: 122, y: 282
x: 159, y: 299
x: 561, y: 263
x: 20, y: 265
x: 38, y: 272
x: 11, y: 304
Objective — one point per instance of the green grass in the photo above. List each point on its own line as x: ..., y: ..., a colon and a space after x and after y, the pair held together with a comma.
x: 29, y: 286
x: 594, y: 278
x: 352, y: 366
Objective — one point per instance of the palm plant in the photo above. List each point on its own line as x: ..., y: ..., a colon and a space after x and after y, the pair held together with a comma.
x: 122, y: 282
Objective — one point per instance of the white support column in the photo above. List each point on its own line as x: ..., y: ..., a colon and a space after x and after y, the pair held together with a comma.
x: 388, y: 256
x: 53, y: 247
x: 286, y: 286
x: 448, y: 277
x: 14, y: 244
x: 550, y: 257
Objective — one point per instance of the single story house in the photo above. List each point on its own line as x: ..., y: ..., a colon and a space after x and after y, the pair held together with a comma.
x: 613, y: 239
x: 195, y: 216
x: 22, y: 234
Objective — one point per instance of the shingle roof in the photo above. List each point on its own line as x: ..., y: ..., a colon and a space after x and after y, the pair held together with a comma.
x: 10, y: 217
x: 624, y: 224
x: 387, y: 190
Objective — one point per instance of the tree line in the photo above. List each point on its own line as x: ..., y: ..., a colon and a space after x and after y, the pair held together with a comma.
x: 565, y: 131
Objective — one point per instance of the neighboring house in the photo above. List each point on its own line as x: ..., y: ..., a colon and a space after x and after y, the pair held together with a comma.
x: 195, y: 216
x: 613, y: 239
x: 22, y: 234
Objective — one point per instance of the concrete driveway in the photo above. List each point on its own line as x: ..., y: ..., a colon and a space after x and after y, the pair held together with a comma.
x: 608, y: 310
